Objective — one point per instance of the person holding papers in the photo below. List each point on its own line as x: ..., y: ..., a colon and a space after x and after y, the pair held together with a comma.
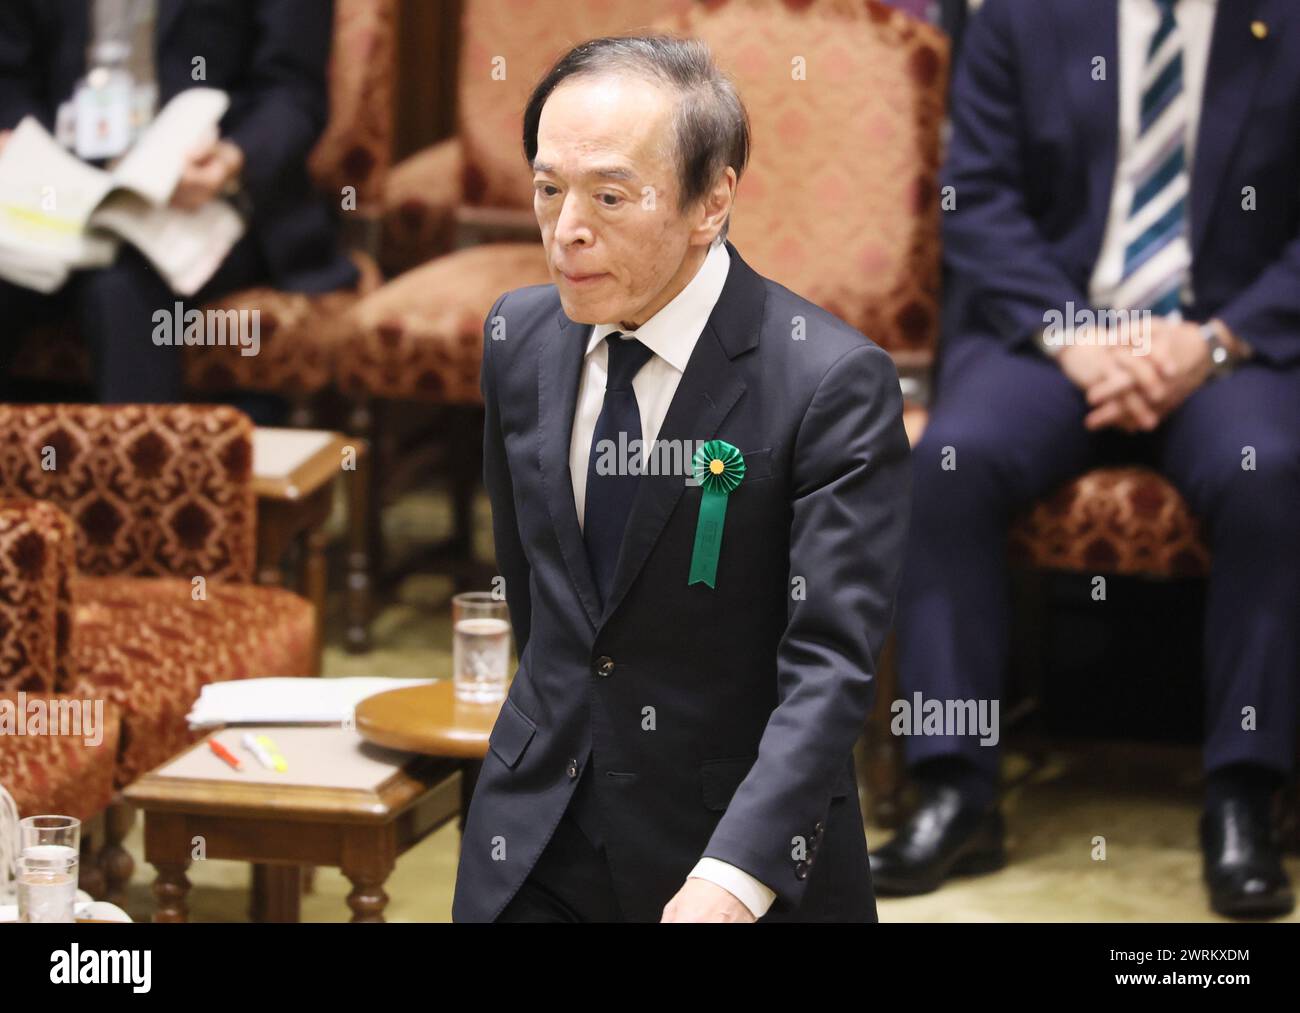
x: 94, y: 74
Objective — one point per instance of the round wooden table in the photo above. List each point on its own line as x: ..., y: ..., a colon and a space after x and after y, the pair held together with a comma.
x: 429, y: 719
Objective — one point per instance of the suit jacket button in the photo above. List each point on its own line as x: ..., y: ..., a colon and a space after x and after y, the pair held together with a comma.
x: 604, y: 666
x: 801, y: 870
x: 820, y: 826
x: 573, y: 769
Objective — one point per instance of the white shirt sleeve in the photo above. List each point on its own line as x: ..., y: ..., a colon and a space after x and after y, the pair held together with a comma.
x: 745, y: 888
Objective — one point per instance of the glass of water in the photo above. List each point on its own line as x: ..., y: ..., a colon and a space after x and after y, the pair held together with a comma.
x: 47, y: 883
x: 480, y: 646
x: 60, y: 830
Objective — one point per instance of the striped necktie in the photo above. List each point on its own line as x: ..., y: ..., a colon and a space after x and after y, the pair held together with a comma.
x: 1157, y: 255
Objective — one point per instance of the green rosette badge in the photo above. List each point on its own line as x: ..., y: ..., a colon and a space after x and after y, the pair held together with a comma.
x: 718, y: 467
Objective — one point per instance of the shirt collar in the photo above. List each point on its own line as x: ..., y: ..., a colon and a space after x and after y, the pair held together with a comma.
x: 672, y: 332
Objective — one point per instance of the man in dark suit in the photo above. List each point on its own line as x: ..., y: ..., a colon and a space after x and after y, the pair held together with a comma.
x: 270, y: 56
x: 671, y: 748
x: 1136, y: 158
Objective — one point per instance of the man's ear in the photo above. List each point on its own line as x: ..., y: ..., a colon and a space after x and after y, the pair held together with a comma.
x: 718, y: 203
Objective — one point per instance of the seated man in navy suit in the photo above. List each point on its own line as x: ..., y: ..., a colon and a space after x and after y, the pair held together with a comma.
x: 270, y: 57
x: 1137, y: 159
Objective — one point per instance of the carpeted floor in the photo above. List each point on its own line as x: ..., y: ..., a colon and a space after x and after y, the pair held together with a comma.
x: 1096, y: 832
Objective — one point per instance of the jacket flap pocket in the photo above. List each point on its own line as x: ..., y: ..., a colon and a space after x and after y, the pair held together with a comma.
x: 511, y: 734
x: 720, y: 778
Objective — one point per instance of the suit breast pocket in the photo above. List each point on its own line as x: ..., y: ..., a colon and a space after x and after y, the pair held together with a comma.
x: 758, y: 465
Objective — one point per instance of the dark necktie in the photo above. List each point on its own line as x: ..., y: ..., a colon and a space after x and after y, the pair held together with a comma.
x: 609, y: 497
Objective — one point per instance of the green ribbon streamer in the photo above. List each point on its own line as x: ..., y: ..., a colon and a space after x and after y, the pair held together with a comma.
x: 713, y: 505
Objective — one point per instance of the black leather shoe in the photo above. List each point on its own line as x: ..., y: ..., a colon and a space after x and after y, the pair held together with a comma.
x: 1243, y: 867
x: 946, y: 836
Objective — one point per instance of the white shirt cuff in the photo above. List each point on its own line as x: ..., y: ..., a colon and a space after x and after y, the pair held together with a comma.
x: 740, y: 884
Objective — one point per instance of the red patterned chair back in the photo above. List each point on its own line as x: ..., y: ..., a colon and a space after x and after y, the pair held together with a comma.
x: 840, y: 200
x: 154, y: 490
x: 356, y: 148
x: 506, y: 47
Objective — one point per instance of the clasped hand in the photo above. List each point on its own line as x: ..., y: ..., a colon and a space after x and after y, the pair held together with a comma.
x: 1135, y: 392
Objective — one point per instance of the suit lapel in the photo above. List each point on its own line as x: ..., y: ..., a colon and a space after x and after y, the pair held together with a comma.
x: 709, y: 388
x: 706, y: 393
x: 559, y: 369
x: 1235, y: 69
x: 1083, y: 33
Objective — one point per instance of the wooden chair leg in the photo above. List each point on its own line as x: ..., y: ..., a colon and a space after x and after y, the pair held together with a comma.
x: 358, y: 600
x: 363, y: 422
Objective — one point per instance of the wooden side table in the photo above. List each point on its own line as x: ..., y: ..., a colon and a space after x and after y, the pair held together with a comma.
x: 430, y: 720
x: 294, y: 471
x: 343, y: 802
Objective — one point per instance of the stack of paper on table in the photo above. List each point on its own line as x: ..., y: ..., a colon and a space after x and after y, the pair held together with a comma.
x: 58, y: 214
x: 315, y: 757
x: 288, y: 700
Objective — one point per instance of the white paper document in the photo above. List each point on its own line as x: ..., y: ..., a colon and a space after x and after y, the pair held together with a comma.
x: 279, y: 700
x: 58, y: 214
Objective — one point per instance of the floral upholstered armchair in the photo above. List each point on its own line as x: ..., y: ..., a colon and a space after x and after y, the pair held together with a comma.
x: 158, y: 528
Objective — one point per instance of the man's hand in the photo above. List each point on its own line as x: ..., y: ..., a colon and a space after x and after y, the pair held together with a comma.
x: 699, y: 900
x: 1178, y: 364
x: 4, y: 139
x: 1119, y: 401
x: 207, y: 172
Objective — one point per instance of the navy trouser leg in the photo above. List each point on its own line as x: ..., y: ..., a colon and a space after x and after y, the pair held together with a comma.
x: 1252, y: 521
x: 20, y: 309
x: 571, y: 881
x: 118, y: 304
x: 1006, y: 428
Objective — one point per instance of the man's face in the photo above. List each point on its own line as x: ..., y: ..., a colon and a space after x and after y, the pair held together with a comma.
x: 606, y: 198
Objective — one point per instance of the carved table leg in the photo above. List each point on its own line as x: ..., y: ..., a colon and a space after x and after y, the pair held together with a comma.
x: 115, y: 861
x: 367, y: 899
x: 170, y: 890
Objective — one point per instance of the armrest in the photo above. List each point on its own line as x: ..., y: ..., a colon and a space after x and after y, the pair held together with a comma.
x: 37, y: 562
x: 154, y: 490
x: 476, y: 225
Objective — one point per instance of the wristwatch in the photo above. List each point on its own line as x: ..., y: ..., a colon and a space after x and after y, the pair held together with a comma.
x: 1221, y: 361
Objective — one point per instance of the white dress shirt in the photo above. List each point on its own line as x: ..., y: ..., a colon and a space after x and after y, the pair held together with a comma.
x: 1138, y: 20
x: 671, y: 335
